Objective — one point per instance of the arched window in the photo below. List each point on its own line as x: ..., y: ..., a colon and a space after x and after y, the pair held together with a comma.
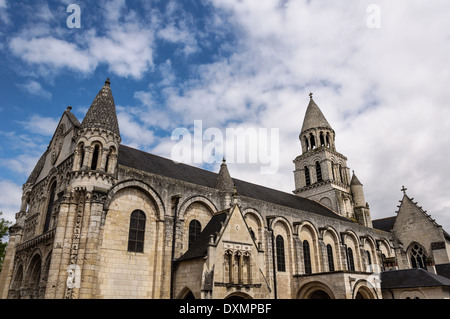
x: 281, y: 263
x: 195, y: 229
x: 330, y: 258
x: 328, y: 140
x: 307, y: 257
x: 318, y: 172
x: 95, y: 156
x: 417, y: 256
x: 307, y: 177
x: 51, y: 200
x: 322, y: 139
x: 312, y: 141
x: 369, y: 261
x: 351, y: 262
x: 81, y: 154
x: 306, y: 143
x: 136, y: 233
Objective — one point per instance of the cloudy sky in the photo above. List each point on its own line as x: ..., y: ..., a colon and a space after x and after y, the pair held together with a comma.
x: 379, y: 70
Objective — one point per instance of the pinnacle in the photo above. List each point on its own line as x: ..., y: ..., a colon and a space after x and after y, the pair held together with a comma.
x: 102, y: 113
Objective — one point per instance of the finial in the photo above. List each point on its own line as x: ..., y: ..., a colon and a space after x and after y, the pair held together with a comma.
x: 69, y: 108
x: 310, y: 95
x: 224, y: 160
x: 107, y: 82
x: 404, y: 189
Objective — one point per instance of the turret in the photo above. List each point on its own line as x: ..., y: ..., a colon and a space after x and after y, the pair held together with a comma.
x: 357, y: 191
x: 225, y: 185
x: 361, y: 208
x: 97, y: 145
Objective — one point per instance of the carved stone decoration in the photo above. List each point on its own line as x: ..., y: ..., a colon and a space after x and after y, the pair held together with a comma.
x: 58, y: 143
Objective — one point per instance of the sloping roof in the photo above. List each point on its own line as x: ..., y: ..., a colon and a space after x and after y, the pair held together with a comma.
x: 150, y: 163
x: 314, y: 117
x: 411, y: 278
x: 199, y: 248
x: 102, y: 113
x: 385, y: 224
x: 443, y: 270
x: 355, y: 180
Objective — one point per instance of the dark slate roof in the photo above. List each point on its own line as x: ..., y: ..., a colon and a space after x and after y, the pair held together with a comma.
x: 102, y: 113
x: 199, y: 248
x: 37, y: 169
x: 385, y: 224
x: 411, y: 278
x: 443, y: 270
x: 314, y: 117
x: 140, y: 160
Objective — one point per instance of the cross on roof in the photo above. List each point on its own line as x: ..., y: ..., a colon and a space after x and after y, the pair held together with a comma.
x: 404, y: 189
x: 310, y: 95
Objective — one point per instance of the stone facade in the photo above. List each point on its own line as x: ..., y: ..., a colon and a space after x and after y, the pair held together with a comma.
x: 102, y: 220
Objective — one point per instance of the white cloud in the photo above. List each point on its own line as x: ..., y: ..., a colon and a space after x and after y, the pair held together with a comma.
x: 383, y: 90
x: 126, y: 50
x: 35, y: 88
x: 53, y: 52
x: 10, y: 198
x: 133, y: 133
x: 41, y: 125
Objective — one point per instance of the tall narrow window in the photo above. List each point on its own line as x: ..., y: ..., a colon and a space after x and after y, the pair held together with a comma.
x: 330, y: 258
x: 306, y: 143
x: 318, y: 172
x: 51, y: 199
x: 351, y: 262
x: 136, y: 233
x: 312, y: 141
x: 322, y: 139
x: 281, y: 263
x: 81, y: 153
x: 369, y: 261
x: 195, y: 229
x: 307, y: 257
x: 307, y: 177
x: 328, y: 140
x: 95, y: 156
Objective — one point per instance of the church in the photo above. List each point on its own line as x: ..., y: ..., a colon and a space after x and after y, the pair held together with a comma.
x: 101, y: 220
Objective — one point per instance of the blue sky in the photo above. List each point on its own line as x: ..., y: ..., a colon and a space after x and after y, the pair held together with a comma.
x: 379, y: 71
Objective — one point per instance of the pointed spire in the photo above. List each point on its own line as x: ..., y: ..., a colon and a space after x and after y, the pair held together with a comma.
x: 102, y: 113
x: 224, y: 181
x: 314, y: 116
x: 355, y: 180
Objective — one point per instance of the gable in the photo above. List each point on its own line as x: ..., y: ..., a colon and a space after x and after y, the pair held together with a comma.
x: 413, y: 224
x: 235, y: 231
x: 60, y: 147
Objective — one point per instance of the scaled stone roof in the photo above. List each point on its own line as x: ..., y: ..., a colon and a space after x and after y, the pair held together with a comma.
x: 314, y: 117
x: 150, y: 163
x: 411, y: 278
x: 102, y: 113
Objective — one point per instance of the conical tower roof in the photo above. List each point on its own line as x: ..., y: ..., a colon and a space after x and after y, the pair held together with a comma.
x: 355, y: 180
x: 224, y: 182
x: 314, y: 117
x: 102, y: 113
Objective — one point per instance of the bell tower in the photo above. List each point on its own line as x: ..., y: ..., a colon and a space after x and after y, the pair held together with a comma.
x: 321, y: 172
